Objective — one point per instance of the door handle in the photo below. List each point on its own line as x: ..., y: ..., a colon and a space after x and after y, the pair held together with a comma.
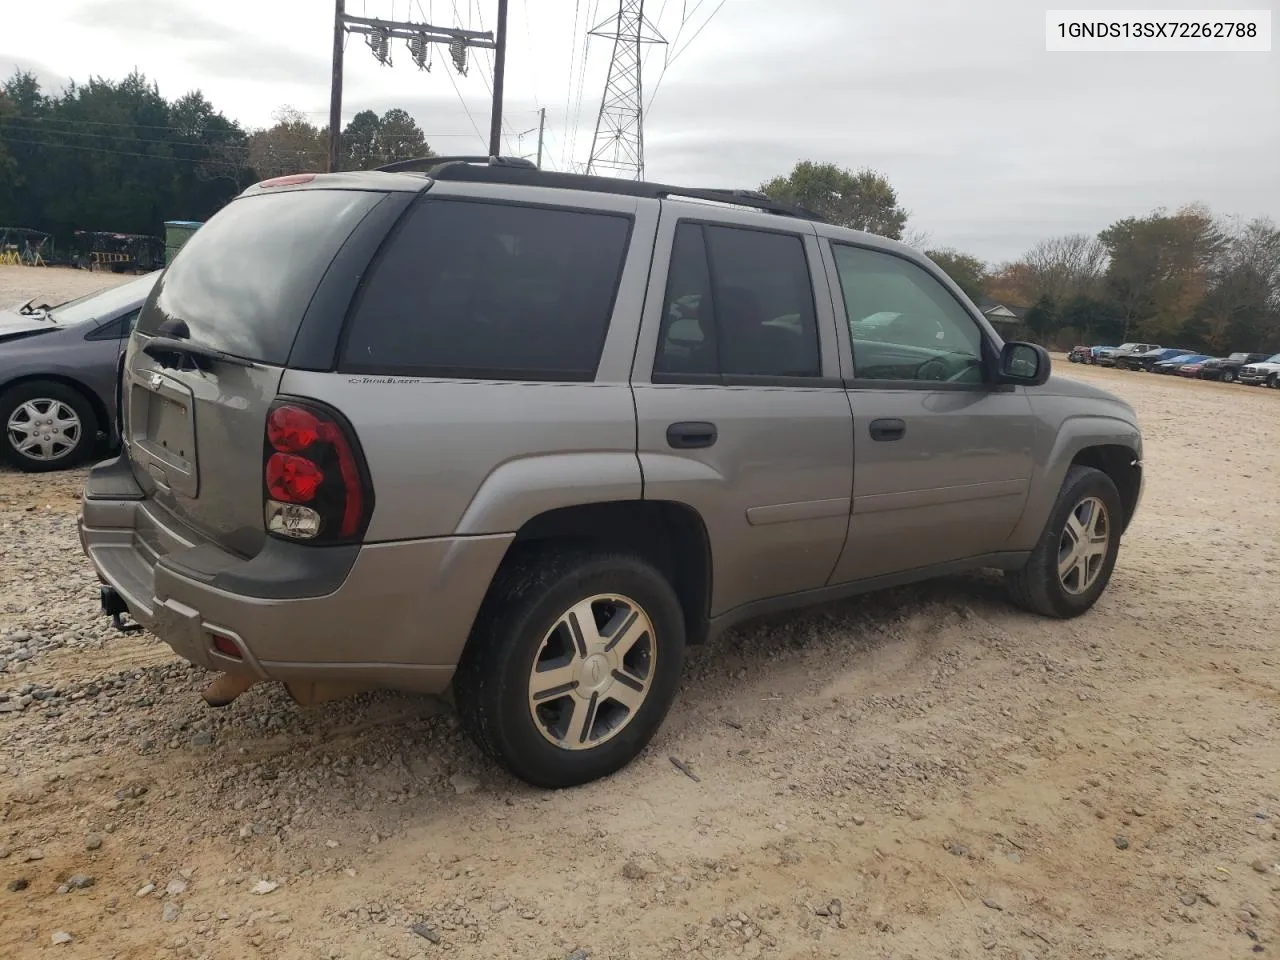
x: 691, y: 434
x: 888, y: 429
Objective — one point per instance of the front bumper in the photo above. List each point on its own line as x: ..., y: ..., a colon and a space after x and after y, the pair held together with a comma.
x: 389, y: 614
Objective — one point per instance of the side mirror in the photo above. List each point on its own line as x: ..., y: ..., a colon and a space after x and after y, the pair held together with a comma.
x: 1024, y: 363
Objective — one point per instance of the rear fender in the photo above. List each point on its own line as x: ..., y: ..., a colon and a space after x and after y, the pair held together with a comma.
x: 520, y: 490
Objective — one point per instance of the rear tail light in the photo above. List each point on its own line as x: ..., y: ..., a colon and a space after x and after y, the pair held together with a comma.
x: 315, y: 482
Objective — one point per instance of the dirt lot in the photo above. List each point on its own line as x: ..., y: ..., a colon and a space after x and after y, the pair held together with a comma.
x: 53, y: 284
x: 925, y: 773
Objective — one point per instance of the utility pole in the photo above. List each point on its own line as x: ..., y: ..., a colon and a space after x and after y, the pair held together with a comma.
x: 542, y: 126
x: 335, y: 88
x: 499, y: 74
x: 618, y: 143
x: 379, y: 33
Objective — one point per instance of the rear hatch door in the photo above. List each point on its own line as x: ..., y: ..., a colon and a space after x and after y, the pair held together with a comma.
x: 210, y: 347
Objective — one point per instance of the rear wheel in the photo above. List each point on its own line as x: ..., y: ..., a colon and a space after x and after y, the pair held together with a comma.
x: 47, y: 426
x: 572, y: 664
x: 1228, y: 375
x: 1072, y: 563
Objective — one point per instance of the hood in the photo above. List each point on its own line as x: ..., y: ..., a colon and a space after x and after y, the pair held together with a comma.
x: 1059, y: 386
x: 12, y: 322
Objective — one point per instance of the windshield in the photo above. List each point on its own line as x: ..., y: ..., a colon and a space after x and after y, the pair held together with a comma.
x: 106, y: 302
x: 1238, y: 356
x: 1275, y: 359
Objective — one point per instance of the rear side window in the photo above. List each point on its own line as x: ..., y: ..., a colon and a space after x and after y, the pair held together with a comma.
x: 243, y: 281
x: 491, y: 291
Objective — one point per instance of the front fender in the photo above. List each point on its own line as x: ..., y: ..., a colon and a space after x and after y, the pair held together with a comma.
x: 1074, y: 435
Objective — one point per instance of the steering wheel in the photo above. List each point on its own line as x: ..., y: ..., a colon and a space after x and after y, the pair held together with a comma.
x: 935, y: 368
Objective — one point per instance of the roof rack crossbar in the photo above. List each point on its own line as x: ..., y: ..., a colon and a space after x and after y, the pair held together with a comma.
x: 426, y: 163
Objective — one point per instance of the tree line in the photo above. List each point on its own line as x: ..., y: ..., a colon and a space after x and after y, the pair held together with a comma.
x: 1184, y: 278
x: 117, y: 156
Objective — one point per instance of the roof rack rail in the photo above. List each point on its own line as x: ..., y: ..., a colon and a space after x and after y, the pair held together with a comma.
x: 526, y: 174
x: 742, y: 198
x: 426, y: 163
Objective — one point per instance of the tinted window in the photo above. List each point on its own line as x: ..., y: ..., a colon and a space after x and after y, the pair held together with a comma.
x: 904, y: 324
x: 739, y: 303
x: 490, y: 290
x: 117, y: 329
x: 243, y: 281
x: 687, y: 341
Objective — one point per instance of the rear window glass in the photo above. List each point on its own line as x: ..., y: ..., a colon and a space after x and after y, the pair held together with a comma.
x: 490, y: 291
x: 244, y: 279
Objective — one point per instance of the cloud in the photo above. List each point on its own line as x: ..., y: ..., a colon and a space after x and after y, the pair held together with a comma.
x: 207, y: 44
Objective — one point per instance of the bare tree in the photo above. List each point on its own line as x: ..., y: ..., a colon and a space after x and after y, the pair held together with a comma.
x: 1067, y: 266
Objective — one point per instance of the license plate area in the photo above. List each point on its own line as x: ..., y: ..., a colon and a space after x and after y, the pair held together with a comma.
x: 162, y: 432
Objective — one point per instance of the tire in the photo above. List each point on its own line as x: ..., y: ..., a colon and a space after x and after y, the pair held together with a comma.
x: 1228, y: 376
x: 1273, y: 381
x: 1037, y: 586
x: 524, y: 623
x: 31, y: 400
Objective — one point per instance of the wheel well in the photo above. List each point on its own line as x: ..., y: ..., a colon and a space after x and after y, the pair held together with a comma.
x: 669, y: 535
x: 1117, y: 462
x: 91, y: 398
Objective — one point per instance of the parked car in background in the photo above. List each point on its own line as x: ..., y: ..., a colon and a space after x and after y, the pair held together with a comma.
x: 1192, y: 370
x: 621, y: 427
x: 1227, y: 369
x: 1109, y: 358
x: 1173, y: 364
x: 59, y: 371
x: 1080, y: 354
x: 1264, y: 372
x: 1144, y: 361
x: 1095, y: 352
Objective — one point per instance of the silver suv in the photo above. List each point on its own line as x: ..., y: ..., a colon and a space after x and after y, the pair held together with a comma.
x: 524, y: 436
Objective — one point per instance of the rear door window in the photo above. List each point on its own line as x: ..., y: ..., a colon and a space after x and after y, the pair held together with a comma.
x: 490, y: 291
x: 739, y: 303
x: 243, y: 281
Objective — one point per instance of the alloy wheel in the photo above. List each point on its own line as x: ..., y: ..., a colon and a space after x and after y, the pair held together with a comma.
x: 593, y: 671
x: 44, y: 429
x: 1082, y: 548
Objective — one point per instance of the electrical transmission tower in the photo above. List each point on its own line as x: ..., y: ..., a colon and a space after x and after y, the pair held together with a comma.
x: 617, y: 148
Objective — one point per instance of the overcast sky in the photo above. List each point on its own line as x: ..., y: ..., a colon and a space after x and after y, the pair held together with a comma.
x: 991, y: 142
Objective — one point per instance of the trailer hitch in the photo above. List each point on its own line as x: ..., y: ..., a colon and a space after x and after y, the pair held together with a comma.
x: 113, y: 605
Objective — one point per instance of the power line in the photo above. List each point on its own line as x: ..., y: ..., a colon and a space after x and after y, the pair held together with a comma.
x: 676, y: 53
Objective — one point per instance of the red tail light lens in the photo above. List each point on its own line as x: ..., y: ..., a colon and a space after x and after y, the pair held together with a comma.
x: 292, y: 429
x: 292, y: 479
x: 316, y: 484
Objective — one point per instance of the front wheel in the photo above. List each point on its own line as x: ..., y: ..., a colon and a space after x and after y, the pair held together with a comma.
x: 1072, y: 562
x: 1228, y: 376
x: 572, y: 664
x: 47, y: 426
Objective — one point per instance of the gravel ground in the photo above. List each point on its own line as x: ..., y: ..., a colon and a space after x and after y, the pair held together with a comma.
x: 923, y: 773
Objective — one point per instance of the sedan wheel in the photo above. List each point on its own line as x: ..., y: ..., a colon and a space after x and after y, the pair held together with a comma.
x: 47, y: 426
x: 44, y: 429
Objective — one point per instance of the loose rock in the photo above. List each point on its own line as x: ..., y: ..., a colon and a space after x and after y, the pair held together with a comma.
x: 171, y: 911
x: 61, y: 937
x: 1122, y: 842
x: 21, y: 883
x: 92, y: 842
